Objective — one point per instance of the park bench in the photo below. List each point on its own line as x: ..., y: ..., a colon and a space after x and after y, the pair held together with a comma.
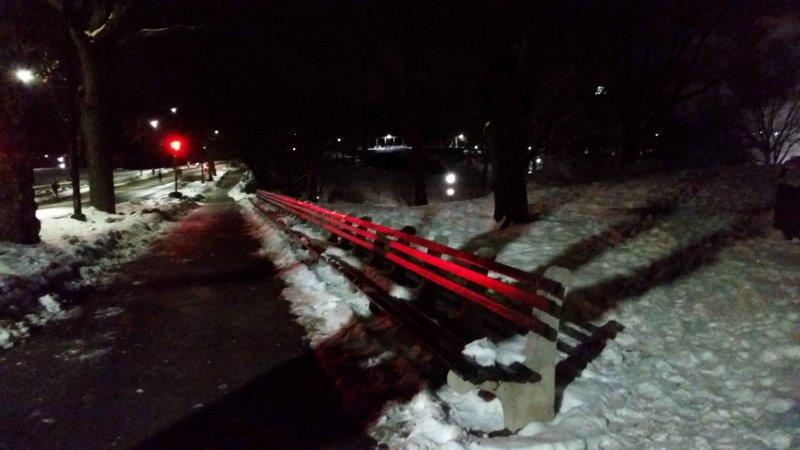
x: 457, y: 298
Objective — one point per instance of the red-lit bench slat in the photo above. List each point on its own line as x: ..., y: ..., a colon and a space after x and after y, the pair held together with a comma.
x: 512, y: 272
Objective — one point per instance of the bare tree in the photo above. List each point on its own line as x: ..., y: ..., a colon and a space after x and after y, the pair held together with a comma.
x: 657, y: 57
x: 773, y: 127
x: 96, y: 29
x: 26, y: 47
x: 765, y: 91
x: 535, y: 79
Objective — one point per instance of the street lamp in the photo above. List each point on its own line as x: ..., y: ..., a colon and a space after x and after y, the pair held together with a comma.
x: 26, y: 76
x: 154, y: 124
x: 216, y: 132
x: 174, y: 110
x: 450, y: 178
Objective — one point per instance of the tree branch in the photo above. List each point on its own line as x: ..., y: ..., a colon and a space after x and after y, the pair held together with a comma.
x: 111, y: 25
x: 149, y: 33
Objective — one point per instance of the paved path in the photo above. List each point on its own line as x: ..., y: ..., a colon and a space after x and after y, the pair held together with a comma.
x: 191, y: 348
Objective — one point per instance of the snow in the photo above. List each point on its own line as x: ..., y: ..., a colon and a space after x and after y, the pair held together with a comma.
x: 505, y: 353
x: 323, y: 300
x: 707, y: 291
x: 92, y: 249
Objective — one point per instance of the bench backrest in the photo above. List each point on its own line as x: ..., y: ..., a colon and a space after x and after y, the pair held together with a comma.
x: 462, y: 273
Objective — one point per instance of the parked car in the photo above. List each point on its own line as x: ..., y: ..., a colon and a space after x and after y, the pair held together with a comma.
x: 787, y: 199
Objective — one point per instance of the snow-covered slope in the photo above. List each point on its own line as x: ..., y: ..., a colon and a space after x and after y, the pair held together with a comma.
x: 707, y: 291
x: 92, y: 248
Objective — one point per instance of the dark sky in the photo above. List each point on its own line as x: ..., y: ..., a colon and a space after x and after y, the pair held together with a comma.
x: 260, y: 68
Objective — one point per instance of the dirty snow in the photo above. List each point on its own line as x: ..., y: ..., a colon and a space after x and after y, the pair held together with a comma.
x: 322, y: 299
x: 90, y: 250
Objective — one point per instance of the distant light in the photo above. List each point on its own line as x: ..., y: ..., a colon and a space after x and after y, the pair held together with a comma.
x: 461, y: 136
x: 62, y: 166
x: 46, y: 156
x: 294, y: 149
x: 338, y: 139
x: 450, y: 178
x: 60, y: 159
x: 204, y: 147
x: 775, y: 133
x: 530, y: 147
x: 538, y: 160
x: 451, y: 192
x: 154, y: 124
x: 173, y: 110
x: 24, y: 75
x: 388, y: 136
x: 216, y: 132
x: 476, y: 147
x: 600, y: 90
x: 657, y: 134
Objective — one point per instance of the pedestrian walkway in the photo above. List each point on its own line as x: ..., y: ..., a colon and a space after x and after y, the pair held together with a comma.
x: 191, y: 348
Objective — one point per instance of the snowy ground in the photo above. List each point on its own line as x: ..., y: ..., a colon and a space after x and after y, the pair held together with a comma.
x: 707, y: 291
x: 82, y: 253
x: 44, y: 178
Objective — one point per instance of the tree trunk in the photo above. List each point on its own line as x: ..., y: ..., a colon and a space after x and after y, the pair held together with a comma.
x: 94, y: 125
x: 18, y: 222
x: 630, y: 127
x: 509, y: 168
x: 418, y: 167
x: 212, y: 169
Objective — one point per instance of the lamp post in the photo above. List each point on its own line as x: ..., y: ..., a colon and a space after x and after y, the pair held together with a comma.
x: 175, y: 145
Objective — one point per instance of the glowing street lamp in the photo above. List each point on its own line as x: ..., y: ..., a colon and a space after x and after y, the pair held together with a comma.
x: 216, y: 132
x: 450, y: 178
x: 174, y: 110
x: 154, y: 124
x: 26, y: 76
x: 451, y: 192
x: 461, y: 137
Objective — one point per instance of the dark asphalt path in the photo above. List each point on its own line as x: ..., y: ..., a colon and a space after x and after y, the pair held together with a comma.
x: 203, y: 355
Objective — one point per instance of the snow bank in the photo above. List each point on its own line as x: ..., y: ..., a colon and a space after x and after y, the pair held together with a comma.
x: 88, y: 249
x: 322, y: 299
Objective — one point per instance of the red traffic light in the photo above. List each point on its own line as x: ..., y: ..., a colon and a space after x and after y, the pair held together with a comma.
x: 176, y: 145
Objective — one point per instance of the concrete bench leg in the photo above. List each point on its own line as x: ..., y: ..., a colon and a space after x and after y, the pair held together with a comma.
x: 524, y: 403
